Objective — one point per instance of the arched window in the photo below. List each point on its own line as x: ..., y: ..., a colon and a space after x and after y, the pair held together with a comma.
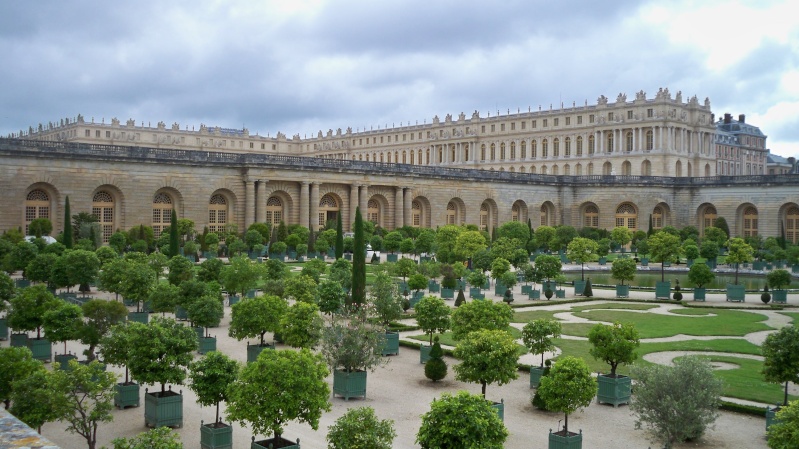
x: 578, y: 170
x: 544, y: 148
x: 389, y: 158
x: 626, y: 168
x: 750, y: 222
x: 37, y: 205
x: 514, y: 213
x: 451, y: 212
x: 650, y: 140
x: 609, y: 149
x: 591, y: 216
x: 493, y: 152
x: 412, y: 158
x: 590, y: 168
x: 533, y: 149
x: 607, y: 168
x: 627, y: 217
x: 373, y: 212
x: 217, y: 213
x: 328, y: 209
x: 708, y: 218
x: 404, y: 158
x: 544, y: 215
x: 513, y: 150
x: 579, y: 146
x: 482, y: 152
x: 466, y: 153
x: 567, y: 170
x: 544, y: 170
x: 678, y: 169
x: 567, y: 149
x: 416, y: 214
x: 657, y: 218
x: 646, y: 168
x: 502, y: 151
x: 452, y: 155
x: 523, y: 149
x: 556, y: 148
x: 591, y: 145
x: 103, y: 211
x: 274, y: 211
x: 484, y: 217
x: 162, y: 212
x: 792, y: 224
x: 628, y: 142
x: 440, y: 156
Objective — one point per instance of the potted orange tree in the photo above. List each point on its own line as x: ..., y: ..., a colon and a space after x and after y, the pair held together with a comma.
x: 210, y: 377
x: 614, y: 344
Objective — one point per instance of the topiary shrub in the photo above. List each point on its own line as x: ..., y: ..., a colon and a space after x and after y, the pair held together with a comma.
x: 460, y: 299
x: 765, y: 296
x: 677, y: 292
x: 436, y: 368
x: 548, y: 293
x: 536, y: 399
x: 588, y: 291
x: 508, y: 297
x: 375, y: 259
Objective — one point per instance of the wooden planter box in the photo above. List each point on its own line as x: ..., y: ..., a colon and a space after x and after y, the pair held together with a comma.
x: 251, y: 293
x: 216, y: 437
x: 771, y: 416
x: 433, y: 286
x: 534, y: 294
x: 699, y: 294
x: 63, y: 360
x: 424, y: 353
x: 348, y: 256
x: 644, y: 261
x: 163, y: 409
x: 779, y: 296
x: 349, y: 385
x: 736, y: 293
x: 126, y: 395
x: 499, y: 289
x: 390, y: 343
x: 475, y: 291
x: 139, y: 317
x: 526, y: 289
x: 181, y: 314
x: 558, y: 440
x: 663, y: 290
x: 535, y: 375
x: 3, y: 329
x: 254, y: 350
x: 18, y: 340
x: 460, y: 284
x: 447, y: 293
x: 622, y: 291
x: 552, y: 285
x: 128, y: 302
x: 500, y: 408
x: 232, y: 300
x: 207, y: 344
x: 391, y: 257
x: 416, y: 297
x: 579, y: 286
x: 273, y: 443
x: 41, y: 348
x: 560, y: 293
x: 22, y: 283
x: 487, y: 285
x: 614, y: 390
x: 603, y: 260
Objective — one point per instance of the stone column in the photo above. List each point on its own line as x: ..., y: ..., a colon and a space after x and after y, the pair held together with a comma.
x: 260, y: 201
x: 406, y: 210
x: 353, y: 205
x: 249, y: 201
x: 304, y: 207
x: 314, y: 206
x: 398, y: 208
x: 364, y: 201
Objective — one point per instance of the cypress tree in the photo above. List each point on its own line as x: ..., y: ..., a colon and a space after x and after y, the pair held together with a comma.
x: 67, y: 226
x: 649, y: 231
x: 339, y: 237
x: 311, y: 240
x: 174, y: 243
x: 359, y: 262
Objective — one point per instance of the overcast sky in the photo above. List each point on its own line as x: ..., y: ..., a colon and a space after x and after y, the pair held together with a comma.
x: 300, y: 66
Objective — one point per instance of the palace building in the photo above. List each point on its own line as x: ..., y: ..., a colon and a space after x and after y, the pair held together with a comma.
x: 603, y: 165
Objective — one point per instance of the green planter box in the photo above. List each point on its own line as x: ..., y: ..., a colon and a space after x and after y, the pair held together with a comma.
x: 487, y: 285
x: 736, y: 293
x: 644, y: 261
x: 475, y: 291
x: 349, y: 385
x: 447, y: 293
x: 207, y: 344
x: 758, y: 265
x: 280, y: 257
x: 209, y: 254
x: 526, y: 289
x: 232, y: 300
x: 3, y: 329
x: 254, y: 350
x: 603, y: 260
x: 795, y: 268
x: 391, y: 343
x: 391, y: 257
x: 552, y: 285
x: 128, y: 302
x: 424, y: 353
x: 18, y: 340
x: 535, y: 375
x: 579, y: 286
x: 779, y: 296
x: 534, y: 294
x: 126, y: 395
x: 460, y: 284
x: 666, y: 264
x: 433, y: 286
x: 216, y: 436
x: 622, y: 291
x: 499, y: 289
x: 402, y: 286
x: 181, y: 313
x: 251, y: 293
x: 771, y: 416
x: 500, y: 408
x: 560, y: 293
x: 559, y: 441
x: 614, y: 390
x: 22, y: 283
x: 139, y: 317
x: 699, y: 294
x: 663, y: 290
x: 272, y: 443
x: 63, y: 360
x: 163, y: 409
x: 416, y: 297
x: 41, y: 348
x: 348, y: 256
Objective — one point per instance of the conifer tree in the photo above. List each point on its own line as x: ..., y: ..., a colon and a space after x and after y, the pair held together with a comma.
x: 359, y: 262
x: 436, y: 368
x: 174, y: 243
x: 67, y: 226
x: 339, y: 237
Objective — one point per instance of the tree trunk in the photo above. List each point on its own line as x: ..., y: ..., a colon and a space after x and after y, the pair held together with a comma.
x: 566, y: 425
x: 785, y: 401
x: 484, y: 390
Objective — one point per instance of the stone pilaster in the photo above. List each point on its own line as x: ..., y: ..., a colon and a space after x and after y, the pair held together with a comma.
x: 304, y: 207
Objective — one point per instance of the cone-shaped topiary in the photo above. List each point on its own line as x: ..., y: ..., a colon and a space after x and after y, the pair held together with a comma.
x: 436, y: 368
x: 765, y: 296
x: 460, y: 299
x: 677, y: 292
x: 588, y: 291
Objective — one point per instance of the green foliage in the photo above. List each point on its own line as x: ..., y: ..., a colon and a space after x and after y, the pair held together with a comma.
x: 180, y: 270
x: 487, y: 357
x: 210, y: 377
x: 582, y: 250
x: 700, y: 274
x: 160, y: 351
x: 436, y: 368
x: 240, y: 276
x: 544, y: 236
x: 41, y: 267
x: 68, y: 232
x: 461, y: 421
x: 568, y: 387
x: 350, y: 343
x: 275, y: 270
x: 40, y: 226
x: 614, y: 344
x: 739, y: 252
x: 301, y: 325
x: 15, y: 364
x: 385, y: 299
x: 63, y: 323
x: 621, y: 235
x: 690, y: 250
x: 537, y: 335
x: 664, y: 247
x: 548, y: 266
x: 678, y: 402
x: 301, y: 288
x: 623, y: 269
x: 7, y: 289
x: 28, y: 309
x: 360, y: 428
x: 781, y: 357
x: 331, y: 296
x: 417, y: 282
x: 164, y: 297
x: 478, y: 315
x: 160, y: 437
x: 279, y: 387
x: 432, y: 315
x: 174, y: 239
x: 499, y: 267
x: 404, y: 267
x: 358, y: 295
x: 115, y: 346
x: 460, y: 299
x: 784, y: 433
x: 778, y: 278
x: 254, y: 317
x: 87, y: 398
x: 588, y: 291
x: 33, y: 402
x: 315, y: 268
x: 205, y: 311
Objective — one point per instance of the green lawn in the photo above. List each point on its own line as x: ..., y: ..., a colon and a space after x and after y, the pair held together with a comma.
x: 793, y: 315
x: 530, y: 315
x: 447, y: 340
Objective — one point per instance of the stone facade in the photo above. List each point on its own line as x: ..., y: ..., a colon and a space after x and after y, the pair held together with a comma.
x: 126, y: 186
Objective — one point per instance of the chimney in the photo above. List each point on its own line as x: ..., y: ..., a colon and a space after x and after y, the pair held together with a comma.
x: 727, y: 118
x: 712, y: 118
x: 742, y: 118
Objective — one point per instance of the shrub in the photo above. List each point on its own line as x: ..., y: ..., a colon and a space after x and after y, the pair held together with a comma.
x: 460, y: 299
x: 536, y: 399
x: 765, y: 296
x: 677, y: 292
x: 461, y: 420
x: 588, y: 291
x: 676, y: 403
x: 436, y: 368
x: 359, y: 427
x: 785, y: 432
